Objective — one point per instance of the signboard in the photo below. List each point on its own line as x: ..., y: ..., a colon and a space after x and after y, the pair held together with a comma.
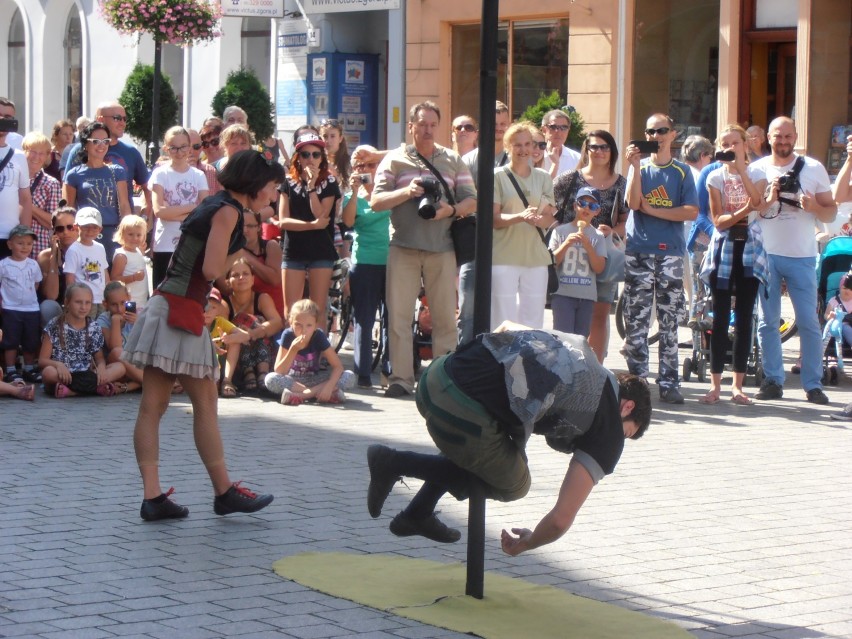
x: 338, y: 6
x: 253, y: 8
x: 291, y: 94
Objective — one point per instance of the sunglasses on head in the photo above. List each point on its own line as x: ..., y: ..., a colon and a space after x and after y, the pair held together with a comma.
x: 592, y: 206
x: 465, y: 127
x: 598, y: 147
x: 661, y: 131
x: 331, y: 122
x: 61, y: 228
x: 307, y: 155
x: 208, y: 143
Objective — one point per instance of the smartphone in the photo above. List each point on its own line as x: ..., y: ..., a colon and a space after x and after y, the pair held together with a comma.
x: 646, y: 146
x: 8, y: 125
x: 725, y: 156
x: 130, y: 307
x: 365, y: 178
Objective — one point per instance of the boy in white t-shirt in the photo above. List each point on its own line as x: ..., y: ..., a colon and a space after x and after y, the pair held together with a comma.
x: 86, y: 260
x: 19, y: 279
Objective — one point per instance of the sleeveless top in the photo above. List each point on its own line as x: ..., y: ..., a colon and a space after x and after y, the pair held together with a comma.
x: 261, y: 286
x: 185, y: 276
x: 135, y: 264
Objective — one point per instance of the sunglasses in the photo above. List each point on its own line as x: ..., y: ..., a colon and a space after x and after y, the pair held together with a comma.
x: 213, y: 142
x: 592, y: 206
x: 661, y: 131
x: 62, y: 229
x: 99, y: 141
x: 118, y: 118
x: 558, y: 127
x: 197, y: 147
x: 465, y: 127
x: 598, y: 147
x: 307, y: 155
x: 541, y: 145
x: 331, y: 122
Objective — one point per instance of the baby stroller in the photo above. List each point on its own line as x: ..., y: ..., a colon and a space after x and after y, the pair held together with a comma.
x: 834, y: 263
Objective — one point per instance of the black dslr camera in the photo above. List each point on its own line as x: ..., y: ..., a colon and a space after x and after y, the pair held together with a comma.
x: 431, y: 196
x: 8, y: 125
x: 789, y: 182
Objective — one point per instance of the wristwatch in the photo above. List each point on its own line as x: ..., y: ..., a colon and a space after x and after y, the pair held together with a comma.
x: 455, y: 214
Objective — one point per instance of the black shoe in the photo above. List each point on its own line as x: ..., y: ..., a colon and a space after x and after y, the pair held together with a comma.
x: 365, y: 382
x: 769, y: 390
x: 162, y: 508
x: 11, y: 378
x: 32, y: 376
x: 381, y: 480
x: 396, y: 390
x: 240, y: 500
x: 432, y: 528
x: 671, y: 395
x: 816, y: 396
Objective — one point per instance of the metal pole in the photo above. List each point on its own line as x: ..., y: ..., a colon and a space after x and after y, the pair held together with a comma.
x: 155, y: 104
x: 482, y: 275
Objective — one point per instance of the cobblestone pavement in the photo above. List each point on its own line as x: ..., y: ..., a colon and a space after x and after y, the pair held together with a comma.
x: 731, y: 521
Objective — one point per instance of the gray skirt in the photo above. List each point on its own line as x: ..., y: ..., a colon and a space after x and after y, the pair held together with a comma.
x: 152, y: 342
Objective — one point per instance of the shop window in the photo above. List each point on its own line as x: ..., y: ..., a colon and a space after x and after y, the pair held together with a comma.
x: 73, y: 46
x: 18, y: 66
x: 532, y: 58
x: 256, y: 43
x: 676, y: 65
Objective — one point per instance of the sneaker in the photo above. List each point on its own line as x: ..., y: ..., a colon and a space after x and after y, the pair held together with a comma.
x: 347, y: 380
x: 12, y: 377
x: 816, y: 396
x: 671, y: 395
x: 396, y: 391
x: 289, y: 398
x: 32, y: 376
x: 349, y: 342
x: 162, y: 508
x: 692, y: 323
x: 240, y: 500
x: 769, y: 390
x: 432, y: 528
x: 365, y: 382
x: 381, y: 479
x: 843, y: 416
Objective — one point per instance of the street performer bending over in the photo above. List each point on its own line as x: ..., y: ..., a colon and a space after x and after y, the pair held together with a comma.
x: 481, y: 405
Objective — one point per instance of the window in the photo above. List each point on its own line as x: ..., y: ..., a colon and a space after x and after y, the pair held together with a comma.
x: 256, y: 44
x: 18, y: 66
x: 73, y: 46
x: 532, y: 58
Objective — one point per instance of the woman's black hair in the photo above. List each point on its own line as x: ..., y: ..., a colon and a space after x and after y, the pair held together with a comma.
x: 86, y: 135
x: 607, y: 137
x: 248, y: 172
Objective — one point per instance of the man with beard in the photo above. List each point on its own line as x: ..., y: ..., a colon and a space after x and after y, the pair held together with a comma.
x: 798, y: 195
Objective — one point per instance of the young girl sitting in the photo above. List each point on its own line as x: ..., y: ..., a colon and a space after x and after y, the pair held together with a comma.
x: 297, y: 374
x: 17, y: 389
x: 128, y: 263
x: 70, y: 343
x: 116, y: 323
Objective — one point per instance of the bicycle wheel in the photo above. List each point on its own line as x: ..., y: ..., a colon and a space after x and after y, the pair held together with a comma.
x: 378, y: 336
x: 346, y: 323
x: 621, y: 325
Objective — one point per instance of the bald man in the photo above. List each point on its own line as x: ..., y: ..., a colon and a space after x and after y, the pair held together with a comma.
x: 798, y: 195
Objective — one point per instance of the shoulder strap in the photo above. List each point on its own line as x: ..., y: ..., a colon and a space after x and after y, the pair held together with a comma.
x: 799, y: 165
x: 524, y: 202
x: 36, y: 182
x: 7, y: 159
x: 412, y: 151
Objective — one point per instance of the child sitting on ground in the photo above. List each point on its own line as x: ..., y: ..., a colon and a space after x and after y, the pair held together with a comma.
x: 128, y: 263
x: 116, y: 323
x: 18, y: 388
x: 297, y: 375
x: 86, y: 260
x: 20, y: 276
x: 70, y: 344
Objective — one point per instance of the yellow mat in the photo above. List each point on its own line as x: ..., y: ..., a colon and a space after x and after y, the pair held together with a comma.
x: 433, y: 593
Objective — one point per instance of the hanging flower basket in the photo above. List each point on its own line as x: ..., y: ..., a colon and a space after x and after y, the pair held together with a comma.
x: 179, y: 22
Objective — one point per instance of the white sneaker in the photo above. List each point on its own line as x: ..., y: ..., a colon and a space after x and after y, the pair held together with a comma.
x: 349, y: 342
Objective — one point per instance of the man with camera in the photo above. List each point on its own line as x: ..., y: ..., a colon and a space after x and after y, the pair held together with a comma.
x: 15, y: 199
x: 661, y: 196
x: 797, y: 196
x: 426, y: 186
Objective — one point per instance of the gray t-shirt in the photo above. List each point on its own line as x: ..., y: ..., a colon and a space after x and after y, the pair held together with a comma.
x: 576, y: 277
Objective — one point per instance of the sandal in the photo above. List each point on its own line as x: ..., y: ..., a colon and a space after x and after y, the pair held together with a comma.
x: 61, y: 391
x: 710, y: 398
x: 26, y: 392
x: 228, y: 390
x: 742, y: 400
x: 106, y: 390
x: 249, y: 381
x: 177, y: 388
x: 120, y: 388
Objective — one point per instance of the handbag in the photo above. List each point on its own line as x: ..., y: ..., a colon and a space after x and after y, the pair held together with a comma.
x: 552, y: 275
x: 615, y: 248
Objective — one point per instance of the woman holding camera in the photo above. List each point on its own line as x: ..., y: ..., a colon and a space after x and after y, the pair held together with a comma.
x: 307, y: 202
x: 523, y: 210
x: 736, y: 263
x: 371, y: 230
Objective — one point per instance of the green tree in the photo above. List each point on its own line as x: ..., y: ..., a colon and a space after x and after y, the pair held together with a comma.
x: 243, y: 89
x: 535, y: 112
x: 137, y: 99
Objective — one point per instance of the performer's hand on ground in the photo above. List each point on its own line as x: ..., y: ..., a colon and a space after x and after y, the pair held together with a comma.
x: 514, y: 546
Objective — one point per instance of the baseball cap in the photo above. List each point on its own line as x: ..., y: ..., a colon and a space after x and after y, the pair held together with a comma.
x: 586, y: 191
x: 309, y: 138
x: 215, y: 294
x: 88, y: 215
x: 22, y: 230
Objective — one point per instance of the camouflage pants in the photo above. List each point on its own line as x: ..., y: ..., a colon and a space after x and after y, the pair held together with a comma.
x: 649, y: 279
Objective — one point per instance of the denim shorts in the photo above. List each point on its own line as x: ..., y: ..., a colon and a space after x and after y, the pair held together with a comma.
x: 306, y: 265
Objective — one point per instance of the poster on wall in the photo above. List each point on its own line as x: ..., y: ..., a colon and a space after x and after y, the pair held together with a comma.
x: 253, y: 8
x: 291, y: 94
x: 338, y: 6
